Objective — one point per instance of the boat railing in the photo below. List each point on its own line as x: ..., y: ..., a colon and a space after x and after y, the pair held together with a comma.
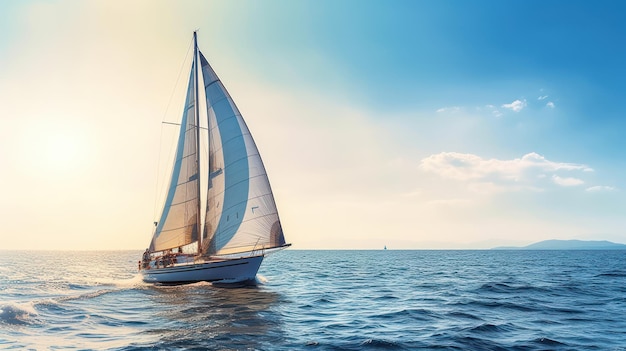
x: 169, y: 260
x: 255, y: 251
x: 186, y: 259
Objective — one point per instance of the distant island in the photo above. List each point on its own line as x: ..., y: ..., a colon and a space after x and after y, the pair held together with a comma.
x: 567, y: 245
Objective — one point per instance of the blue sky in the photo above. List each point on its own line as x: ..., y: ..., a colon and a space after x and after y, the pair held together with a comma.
x: 411, y: 124
x: 435, y: 54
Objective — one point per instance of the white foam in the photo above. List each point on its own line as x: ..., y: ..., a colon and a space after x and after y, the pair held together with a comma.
x: 18, y: 313
x: 135, y: 281
x: 261, y: 279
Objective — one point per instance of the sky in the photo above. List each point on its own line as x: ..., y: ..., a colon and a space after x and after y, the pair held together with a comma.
x: 431, y: 124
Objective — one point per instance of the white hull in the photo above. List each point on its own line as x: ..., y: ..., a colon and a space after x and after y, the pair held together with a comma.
x: 223, y: 271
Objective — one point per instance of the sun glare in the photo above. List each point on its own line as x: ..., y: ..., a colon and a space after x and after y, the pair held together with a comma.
x: 59, y: 149
x: 62, y: 152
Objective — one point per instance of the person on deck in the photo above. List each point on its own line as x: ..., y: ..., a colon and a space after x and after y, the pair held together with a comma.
x: 146, y: 258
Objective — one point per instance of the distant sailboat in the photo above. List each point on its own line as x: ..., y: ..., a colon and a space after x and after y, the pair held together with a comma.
x: 241, y: 223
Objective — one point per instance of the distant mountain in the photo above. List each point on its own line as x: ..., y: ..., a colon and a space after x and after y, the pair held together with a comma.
x: 568, y: 245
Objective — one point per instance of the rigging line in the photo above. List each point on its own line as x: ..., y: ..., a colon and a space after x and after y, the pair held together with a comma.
x: 156, y: 185
x: 182, y: 66
x: 177, y: 124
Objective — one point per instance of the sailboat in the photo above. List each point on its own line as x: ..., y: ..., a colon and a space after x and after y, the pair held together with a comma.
x: 225, y: 236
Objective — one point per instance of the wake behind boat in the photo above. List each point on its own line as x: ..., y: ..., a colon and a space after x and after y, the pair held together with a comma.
x: 240, y: 223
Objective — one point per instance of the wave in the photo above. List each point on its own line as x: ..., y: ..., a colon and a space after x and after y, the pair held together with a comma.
x: 548, y: 342
x: 357, y: 344
x: 175, y: 287
x: 261, y: 280
x: 104, y: 287
x: 496, y: 304
x: 409, y: 314
x: 18, y: 314
x: 491, y: 328
x: 503, y: 288
x: 134, y: 281
x: 613, y: 274
x: 464, y: 315
x: 379, y: 344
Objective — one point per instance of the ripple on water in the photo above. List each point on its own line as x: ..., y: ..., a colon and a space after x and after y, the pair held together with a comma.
x: 322, y: 300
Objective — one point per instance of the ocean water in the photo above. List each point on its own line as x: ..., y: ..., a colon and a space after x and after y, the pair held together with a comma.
x: 321, y: 300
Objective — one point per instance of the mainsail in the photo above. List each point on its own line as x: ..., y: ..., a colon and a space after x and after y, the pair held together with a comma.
x: 241, y: 214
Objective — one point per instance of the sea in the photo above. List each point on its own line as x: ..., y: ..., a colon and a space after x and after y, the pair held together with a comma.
x: 321, y: 300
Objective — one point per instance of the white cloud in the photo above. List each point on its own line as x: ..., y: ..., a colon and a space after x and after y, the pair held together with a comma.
x: 543, y: 97
x: 516, y: 105
x: 494, y: 110
x: 550, y: 104
x: 493, y: 175
x: 568, y: 181
x: 600, y: 188
x: 449, y: 109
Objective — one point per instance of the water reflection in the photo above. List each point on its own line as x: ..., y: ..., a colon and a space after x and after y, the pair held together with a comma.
x: 204, y: 316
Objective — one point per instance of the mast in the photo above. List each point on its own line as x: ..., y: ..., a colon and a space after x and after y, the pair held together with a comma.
x: 197, y: 124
